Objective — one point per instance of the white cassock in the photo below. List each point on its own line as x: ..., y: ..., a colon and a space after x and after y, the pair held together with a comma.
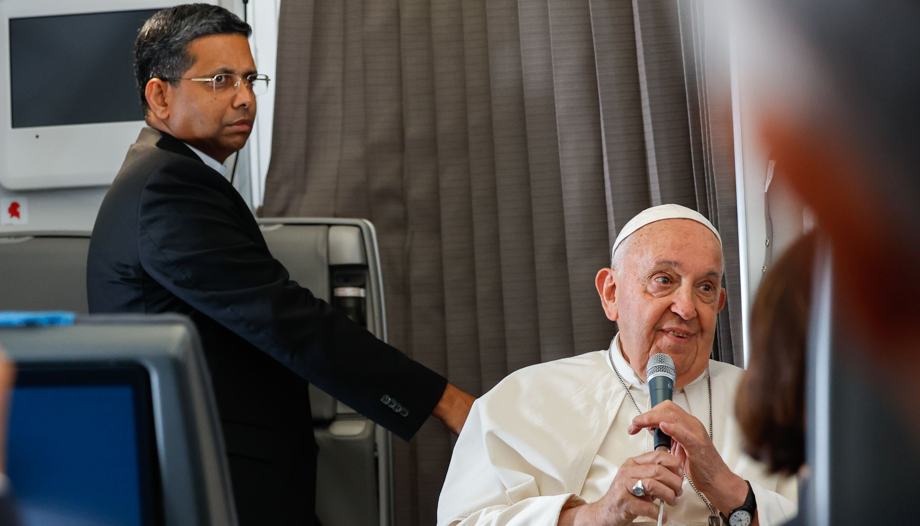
x: 556, y: 430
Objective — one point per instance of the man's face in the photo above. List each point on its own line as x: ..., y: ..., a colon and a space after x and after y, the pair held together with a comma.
x: 217, y: 123
x: 666, y: 295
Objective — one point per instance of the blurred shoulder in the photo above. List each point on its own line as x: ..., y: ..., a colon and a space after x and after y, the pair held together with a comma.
x: 725, y: 373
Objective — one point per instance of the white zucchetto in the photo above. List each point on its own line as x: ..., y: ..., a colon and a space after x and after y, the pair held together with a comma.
x: 660, y: 213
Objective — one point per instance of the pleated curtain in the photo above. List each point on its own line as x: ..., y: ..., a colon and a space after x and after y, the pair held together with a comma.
x: 498, y: 146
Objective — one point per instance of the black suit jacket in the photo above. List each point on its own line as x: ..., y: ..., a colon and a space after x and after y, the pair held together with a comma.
x: 173, y: 235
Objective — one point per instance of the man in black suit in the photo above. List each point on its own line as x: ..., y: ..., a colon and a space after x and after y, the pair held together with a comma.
x: 174, y: 236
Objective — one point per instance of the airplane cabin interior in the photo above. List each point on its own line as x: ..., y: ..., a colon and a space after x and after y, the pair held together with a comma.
x: 113, y: 418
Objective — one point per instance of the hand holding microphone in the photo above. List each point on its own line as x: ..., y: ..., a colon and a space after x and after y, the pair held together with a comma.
x: 686, y: 435
x: 654, y: 476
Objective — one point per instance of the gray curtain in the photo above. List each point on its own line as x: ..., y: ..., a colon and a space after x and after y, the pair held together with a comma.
x: 498, y: 146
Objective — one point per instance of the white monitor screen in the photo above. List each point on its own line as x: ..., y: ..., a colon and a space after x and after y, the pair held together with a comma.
x: 74, y: 69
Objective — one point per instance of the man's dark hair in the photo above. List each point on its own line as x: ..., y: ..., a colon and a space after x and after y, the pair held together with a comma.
x: 161, y: 49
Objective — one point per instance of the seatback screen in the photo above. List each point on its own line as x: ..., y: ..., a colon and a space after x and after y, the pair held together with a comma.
x: 75, y: 69
x: 80, y: 447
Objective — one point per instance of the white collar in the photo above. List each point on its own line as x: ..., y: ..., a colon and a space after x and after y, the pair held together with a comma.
x: 208, y: 160
x: 615, y: 353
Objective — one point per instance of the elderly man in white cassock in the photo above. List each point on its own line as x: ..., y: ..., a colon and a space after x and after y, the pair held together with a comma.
x: 569, y: 442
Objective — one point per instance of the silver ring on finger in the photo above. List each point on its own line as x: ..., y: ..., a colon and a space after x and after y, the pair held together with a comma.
x: 638, y: 489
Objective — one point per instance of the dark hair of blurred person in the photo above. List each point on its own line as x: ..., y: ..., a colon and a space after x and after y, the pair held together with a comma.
x: 771, y: 397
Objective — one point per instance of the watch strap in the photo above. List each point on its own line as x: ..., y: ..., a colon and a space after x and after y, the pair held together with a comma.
x: 750, y: 505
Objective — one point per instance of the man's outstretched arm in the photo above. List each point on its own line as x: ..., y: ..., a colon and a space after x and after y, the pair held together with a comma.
x: 197, y: 241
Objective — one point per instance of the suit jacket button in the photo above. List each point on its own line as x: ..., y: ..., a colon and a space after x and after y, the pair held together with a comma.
x: 397, y: 408
x: 404, y: 412
x: 386, y: 399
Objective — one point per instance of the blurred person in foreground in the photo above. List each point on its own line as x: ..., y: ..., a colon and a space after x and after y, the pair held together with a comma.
x: 837, y: 103
x: 564, y: 442
x: 771, y: 396
x: 834, y: 91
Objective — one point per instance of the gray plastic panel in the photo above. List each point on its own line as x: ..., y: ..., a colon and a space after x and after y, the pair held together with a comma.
x: 43, y: 273
x: 346, y: 246
x: 346, y: 488
x: 193, y: 469
x: 304, y: 251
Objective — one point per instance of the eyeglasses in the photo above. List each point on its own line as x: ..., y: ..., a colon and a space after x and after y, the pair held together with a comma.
x: 257, y: 84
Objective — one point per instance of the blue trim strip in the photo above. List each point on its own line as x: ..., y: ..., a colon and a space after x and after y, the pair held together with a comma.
x: 36, y: 319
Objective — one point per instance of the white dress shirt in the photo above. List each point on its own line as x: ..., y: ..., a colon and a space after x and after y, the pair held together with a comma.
x: 208, y: 160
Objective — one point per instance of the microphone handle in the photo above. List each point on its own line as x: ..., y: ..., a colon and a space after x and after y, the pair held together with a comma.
x: 661, y: 389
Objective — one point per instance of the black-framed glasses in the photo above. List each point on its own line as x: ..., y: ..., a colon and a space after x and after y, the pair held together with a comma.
x: 257, y: 84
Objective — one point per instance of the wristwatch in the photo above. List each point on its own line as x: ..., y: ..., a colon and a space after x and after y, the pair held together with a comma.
x: 744, y: 514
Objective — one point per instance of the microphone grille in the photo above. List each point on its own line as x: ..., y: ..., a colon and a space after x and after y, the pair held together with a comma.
x: 660, y: 365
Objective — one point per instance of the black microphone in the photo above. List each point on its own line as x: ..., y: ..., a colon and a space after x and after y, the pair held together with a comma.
x: 660, y: 375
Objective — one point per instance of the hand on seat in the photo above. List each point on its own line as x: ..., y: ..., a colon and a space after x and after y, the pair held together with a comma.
x: 453, y: 408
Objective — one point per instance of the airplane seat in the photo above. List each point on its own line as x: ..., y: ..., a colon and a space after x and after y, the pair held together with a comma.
x: 44, y: 271
x: 353, y: 481
x: 113, y: 421
x: 47, y: 271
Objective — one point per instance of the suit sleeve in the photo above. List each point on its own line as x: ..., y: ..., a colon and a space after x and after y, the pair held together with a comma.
x: 193, y: 240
